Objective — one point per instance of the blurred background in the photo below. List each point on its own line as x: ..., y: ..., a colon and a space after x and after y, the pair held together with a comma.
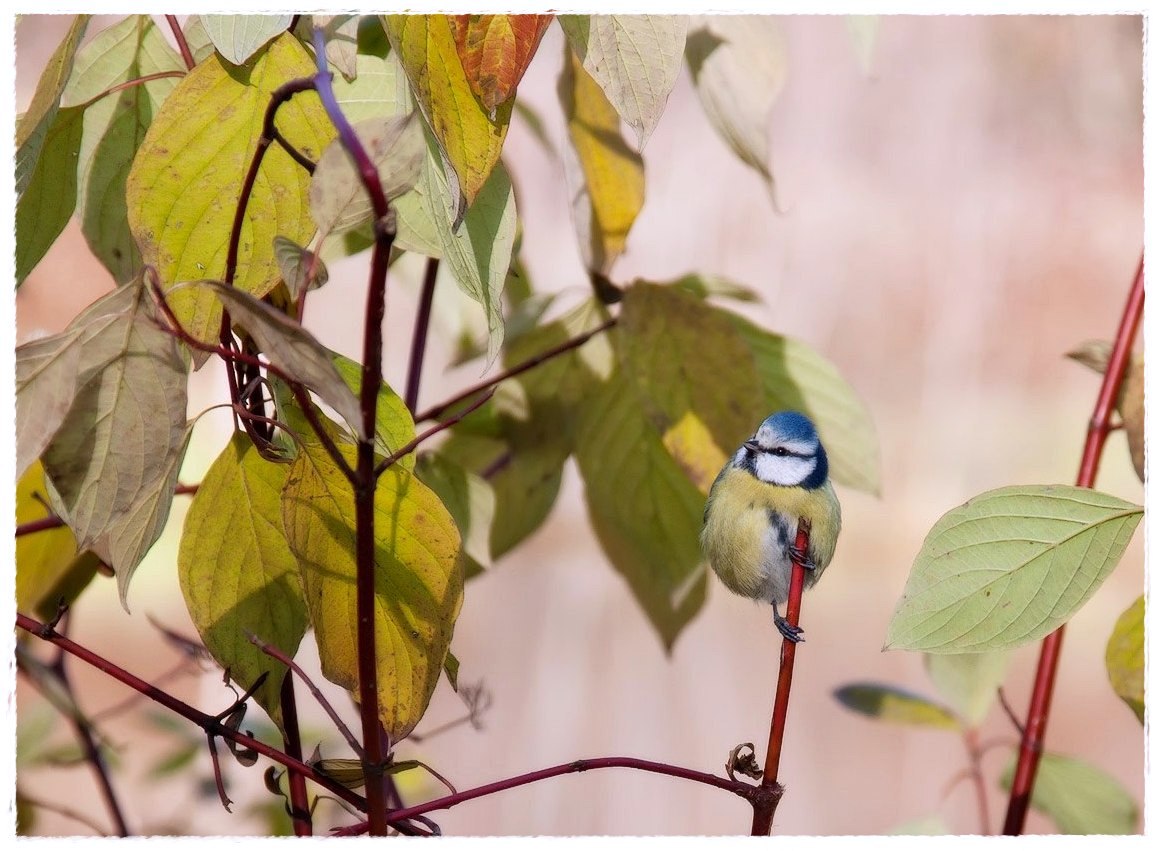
x: 953, y: 222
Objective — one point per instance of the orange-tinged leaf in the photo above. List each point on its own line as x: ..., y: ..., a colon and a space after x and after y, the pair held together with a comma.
x: 469, y: 137
x: 185, y: 182
x: 495, y: 51
x: 607, y: 175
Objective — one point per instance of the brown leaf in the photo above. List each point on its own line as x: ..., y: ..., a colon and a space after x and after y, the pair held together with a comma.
x: 496, y: 50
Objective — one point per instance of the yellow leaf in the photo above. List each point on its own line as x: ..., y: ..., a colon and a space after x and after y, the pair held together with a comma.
x: 43, y: 558
x: 469, y: 138
x: 237, y: 572
x: 186, y: 179
x: 1124, y: 657
x: 610, y: 173
x: 418, y: 579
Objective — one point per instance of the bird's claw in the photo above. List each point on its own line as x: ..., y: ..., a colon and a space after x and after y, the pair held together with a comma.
x: 788, y: 631
x: 801, y: 557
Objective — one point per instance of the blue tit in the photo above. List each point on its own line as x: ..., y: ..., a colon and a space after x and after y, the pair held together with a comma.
x: 750, y: 525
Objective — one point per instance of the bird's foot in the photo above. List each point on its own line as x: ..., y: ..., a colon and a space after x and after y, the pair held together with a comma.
x: 801, y: 557
x: 788, y: 631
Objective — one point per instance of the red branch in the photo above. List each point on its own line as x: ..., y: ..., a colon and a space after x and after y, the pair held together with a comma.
x: 764, y: 807
x: 212, y: 725
x: 1031, y: 745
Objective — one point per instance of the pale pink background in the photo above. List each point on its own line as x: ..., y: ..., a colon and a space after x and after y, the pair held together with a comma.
x: 954, y: 223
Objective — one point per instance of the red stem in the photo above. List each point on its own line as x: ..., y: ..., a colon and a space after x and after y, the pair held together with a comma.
x: 1031, y: 745
x: 291, y: 739
x: 437, y: 410
x: 419, y: 337
x: 764, y: 808
x: 375, y: 745
x: 182, y: 44
x: 745, y: 790
x: 54, y: 521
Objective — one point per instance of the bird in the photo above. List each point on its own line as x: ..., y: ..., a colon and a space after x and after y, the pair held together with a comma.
x: 749, y: 530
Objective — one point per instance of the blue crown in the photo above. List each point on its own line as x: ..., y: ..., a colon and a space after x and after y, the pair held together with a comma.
x: 791, y: 425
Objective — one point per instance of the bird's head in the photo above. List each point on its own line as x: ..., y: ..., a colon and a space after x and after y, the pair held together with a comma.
x: 785, y: 450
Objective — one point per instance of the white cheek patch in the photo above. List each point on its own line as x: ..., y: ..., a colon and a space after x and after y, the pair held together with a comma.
x: 785, y: 470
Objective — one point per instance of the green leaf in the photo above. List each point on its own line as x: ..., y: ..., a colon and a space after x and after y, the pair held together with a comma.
x: 198, y: 39
x: 112, y: 464
x: 969, y: 682
x: 237, y: 572
x: 716, y: 286
x: 301, y: 269
x: 644, y: 509
x: 469, y: 137
x: 238, y: 37
x: 394, y: 425
x: 42, y: 558
x: 795, y: 377
x: 890, y: 703
x: 1009, y: 567
x: 114, y: 128
x: 634, y: 58
x: 738, y: 63
x: 338, y: 200
x: 32, y: 127
x: 1080, y: 798
x: 605, y: 175
x: 50, y: 197
x: 418, y: 579
x: 471, y: 501
x: 518, y: 444
x: 479, y: 252
x: 1125, y: 657
x: 186, y: 179
x: 291, y: 348
x: 692, y: 374
x: 379, y: 91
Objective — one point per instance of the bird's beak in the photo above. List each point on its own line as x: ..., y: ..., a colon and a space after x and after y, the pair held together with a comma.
x: 752, y: 445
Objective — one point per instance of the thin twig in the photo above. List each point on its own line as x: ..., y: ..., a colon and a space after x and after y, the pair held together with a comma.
x: 745, y: 790
x: 431, y: 432
x: 1031, y: 745
x: 419, y: 336
x: 173, y: 326
x: 128, y: 84
x: 82, y: 728
x: 292, y: 741
x: 55, y: 521
x: 274, y: 653
x: 307, y: 164
x: 182, y: 44
x: 208, y: 723
x: 436, y: 411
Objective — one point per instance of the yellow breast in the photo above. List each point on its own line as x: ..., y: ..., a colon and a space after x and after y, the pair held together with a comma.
x: 736, y: 537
